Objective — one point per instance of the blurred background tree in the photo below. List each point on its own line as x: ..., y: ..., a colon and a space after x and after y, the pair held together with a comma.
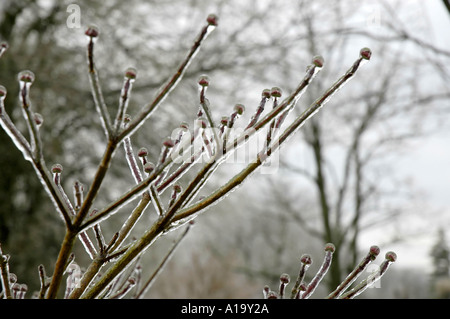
x: 336, y: 181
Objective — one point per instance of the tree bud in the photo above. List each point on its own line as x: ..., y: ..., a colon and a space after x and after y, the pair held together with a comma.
x: 212, y: 19
x: 276, y: 91
x: 365, y: 53
x: 318, y: 61
x: 92, y: 31
x: 203, y: 81
x: 26, y: 76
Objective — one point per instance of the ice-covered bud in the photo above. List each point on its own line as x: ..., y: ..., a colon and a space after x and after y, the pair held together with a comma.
x: 57, y: 169
x: 276, y: 92
x: 131, y: 74
x: 330, y: 247
x: 391, y: 256
x: 177, y: 188
x: 284, y: 278
x: 365, y: 53
x: 374, y: 251
x: 39, y: 119
x: 266, y: 93
x: 12, y: 276
x: 284, y: 281
x: 92, y: 31
x: 142, y: 152
x: 168, y: 143
x: 201, y: 122
x: 149, y: 167
x: 306, y: 259
x: 3, y: 92
x: 213, y: 20
x: 272, y: 295
x: 26, y: 77
x: 239, y: 109
x: 318, y: 61
x: 224, y: 120
x: 184, y: 126
x: 3, y: 47
x: 203, y: 81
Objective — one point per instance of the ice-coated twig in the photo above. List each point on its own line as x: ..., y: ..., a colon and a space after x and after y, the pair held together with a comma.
x: 305, y: 261
x: 85, y: 240
x: 174, y: 213
x: 75, y: 227
x: 5, y: 275
x: 130, y: 77
x: 38, y: 164
x: 284, y: 281
x: 329, y: 250
x: 158, y: 270
x: 131, y: 221
x: 130, y: 283
x: 156, y: 200
x: 265, y: 96
x: 131, y: 160
x: 275, y: 93
x: 43, y: 281
x: 371, y: 255
x: 390, y: 257
x: 147, y: 110
x: 26, y: 79
x: 16, y: 136
x: 288, y: 132
x: 303, y: 291
x: 237, y: 112
x: 92, y: 33
x: 175, y: 191
x: 78, y: 194
x: 100, y: 238
x: 203, y: 83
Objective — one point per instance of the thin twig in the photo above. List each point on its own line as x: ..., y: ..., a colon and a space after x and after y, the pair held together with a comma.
x: 371, y: 255
x: 148, y: 109
x: 158, y: 270
x: 4, y: 269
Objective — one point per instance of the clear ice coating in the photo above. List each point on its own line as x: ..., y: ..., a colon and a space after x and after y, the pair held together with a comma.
x: 132, y: 164
x: 26, y: 76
